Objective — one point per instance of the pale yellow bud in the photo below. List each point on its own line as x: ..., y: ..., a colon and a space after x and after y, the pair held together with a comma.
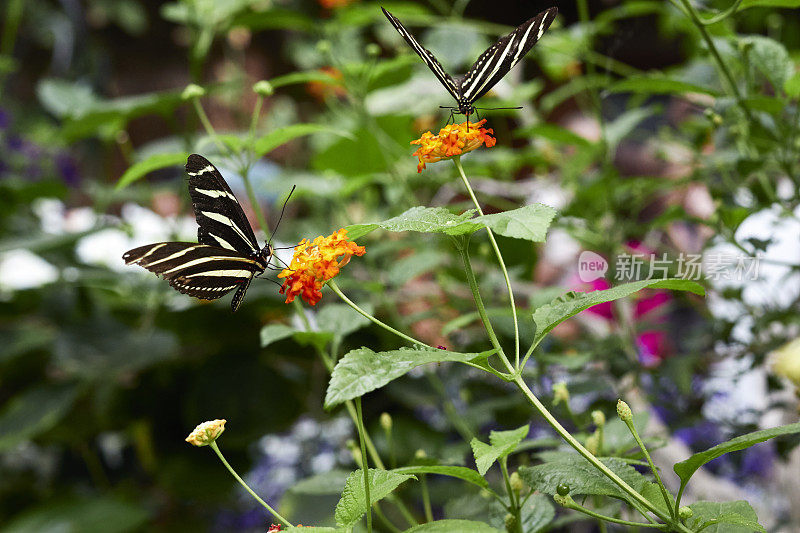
x: 206, y: 433
x: 386, y: 421
x: 560, y: 393
x: 598, y: 418
x: 624, y: 411
x: 593, y: 443
x: 786, y: 361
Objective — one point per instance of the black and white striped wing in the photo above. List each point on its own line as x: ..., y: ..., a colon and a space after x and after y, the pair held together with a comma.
x: 199, y: 270
x: 426, y: 55
x: 220, y: 218
x: 499, y: 58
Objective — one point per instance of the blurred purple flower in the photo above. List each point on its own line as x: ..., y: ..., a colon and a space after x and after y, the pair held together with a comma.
x: 308, y: 448
x: 5, y: 119
x: 68, y: 169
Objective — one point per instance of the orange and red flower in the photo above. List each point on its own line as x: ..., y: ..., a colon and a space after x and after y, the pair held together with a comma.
x: 314, y: 263
x: 453, y: 140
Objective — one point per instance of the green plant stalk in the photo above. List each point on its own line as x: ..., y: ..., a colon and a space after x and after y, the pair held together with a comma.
x: 335, y: 288
x: 351, y: 410
x: 636, y: 496
x: 201, y: 114
x: 216, y: 449
x: 13, y: 18
x: 364, y: 463
x: 664, y: 492
x: 569, y: 503
x: 426, y: 498
x: 457, y: 161
x: 476, y: 296
x: 512, y: 497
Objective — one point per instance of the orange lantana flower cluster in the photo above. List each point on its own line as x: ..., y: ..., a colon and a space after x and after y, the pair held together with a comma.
x: 316, y: 262
x: 453, y: 140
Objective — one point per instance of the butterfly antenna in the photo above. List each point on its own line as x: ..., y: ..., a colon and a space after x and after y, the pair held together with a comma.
x: 281, y: 217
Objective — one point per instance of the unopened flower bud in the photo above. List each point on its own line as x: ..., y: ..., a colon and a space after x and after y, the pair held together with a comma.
x: 386, y: 421
x: 786, y: 361
x: 560, y: 393
x: 593, y: 443
x: 510, y: 522
x: 624, y: 411
x: 192, y: 91
x: 323, y: 46
x: 685, y: 512
x: 516, y: 482
x: 598, y: 418
x: 562, y: 500
x: 206, y: 433
x: 264, y: 88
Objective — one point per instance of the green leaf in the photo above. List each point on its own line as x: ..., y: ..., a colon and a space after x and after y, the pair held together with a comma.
x: 652, y: 492
x: 685, y: 469
x: 769, y: 3
x: 281, y: 136
x: 725, y: 517
x: 86, y: 515
x: 658, y: 85
x: 64, y: 98
x: 451, y: 525
x: 529, y: 222
x: 274, y: 333
x: 624, y: 124
x: 144, y: 167
x: 460, y: 472
x: 331, y: 482
x: 580, y: 475
x: 770, y: 57
x: 351, y: 506
x: 304, y: 77
x: 792, y: 86
x: 549, y: 316
x: 537, y: 513
x: 33, y: 412
x: 361, y: 371
x: 501, y: 444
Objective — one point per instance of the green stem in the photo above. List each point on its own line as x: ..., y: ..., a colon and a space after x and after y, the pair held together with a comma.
x: 216, y: 449
x: 664, y: 492
x: 426, y: 498
x: 364, y: 463
x: 201, y: 114
x: 335, y: 288
x: 636, y: 497
x: 512, y: 498
x: 329, y: 362
x: 457, y: 161
x: 476, y: 296
x: 13, y: 18
x: 569, y: 503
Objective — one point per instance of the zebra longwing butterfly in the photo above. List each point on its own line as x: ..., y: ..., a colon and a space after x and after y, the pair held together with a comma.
x: 227, y: 256
x: 490, y: 67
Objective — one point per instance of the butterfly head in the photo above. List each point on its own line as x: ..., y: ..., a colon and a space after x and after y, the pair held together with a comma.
x: 266, y: 253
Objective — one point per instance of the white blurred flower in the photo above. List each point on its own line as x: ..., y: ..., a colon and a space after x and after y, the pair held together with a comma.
x: 22, y: 269
x: 104, y: 248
